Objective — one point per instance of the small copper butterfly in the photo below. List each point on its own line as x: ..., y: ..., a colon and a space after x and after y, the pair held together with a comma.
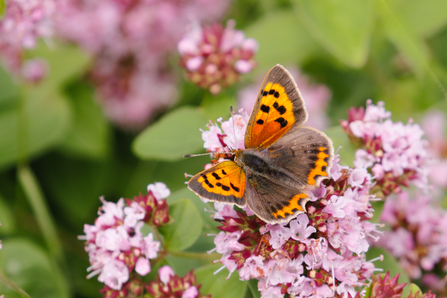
x: 282, y: 160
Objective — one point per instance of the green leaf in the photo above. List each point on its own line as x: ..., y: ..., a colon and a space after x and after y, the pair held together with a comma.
x: 413, y: 288
x: 185, y: 229
x: 253, y: 287
x: 40, y: 121
x: 342, y: 27
x: 2, y: 7
x: 399, y: 32
x: 204, y: 242
x: 218, y: 285
x: 7, y: 221
x: 32, y: 270
x: 90, y: 134
x: 173, y: 136
x: 282, y: 39
x: 9, y: 92
x: 65, y: 61
x: 426, y: 17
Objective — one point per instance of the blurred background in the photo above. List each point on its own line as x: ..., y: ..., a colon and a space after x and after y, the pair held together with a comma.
x: 103, y: 97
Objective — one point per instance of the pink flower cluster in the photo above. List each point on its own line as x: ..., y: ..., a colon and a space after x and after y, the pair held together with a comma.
x: 131, y: 41
x: 117, y: 249
x: 316, y: 96
x: 319, y: 253
x: 167, y: 284
x: 214, y: 56
x: 434, y: 125
x: 417, y: 237
x: 395, y: 152
x: 23, y: 24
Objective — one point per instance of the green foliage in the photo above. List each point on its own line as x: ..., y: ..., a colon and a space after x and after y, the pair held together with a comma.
x: 218, y: 285
x: 30, y: 267
x: 172, y: 136
x: 383, y: 50
x: 331, y: 22
x: 185, y: 229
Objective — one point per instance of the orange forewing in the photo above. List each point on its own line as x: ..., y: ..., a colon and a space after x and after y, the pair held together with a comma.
x: 274, y: 118
x: 224, y: 182
x: 278, y: 108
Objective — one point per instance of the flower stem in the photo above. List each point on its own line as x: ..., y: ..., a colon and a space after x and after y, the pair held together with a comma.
x: 35, y: 197
x: 9, y: 283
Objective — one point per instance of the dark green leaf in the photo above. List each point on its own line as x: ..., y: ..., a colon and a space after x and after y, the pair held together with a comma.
x: 7, y: 221
x: 253, y: 287
x: 204, y: 242
x: 90, y: 134
x: 343, y: 27
x: 218, y: 285
x: 41, y: 120
x: 173, y: 136
x: 32, y: 270
x: 398, y: 31
x: 185, y: 229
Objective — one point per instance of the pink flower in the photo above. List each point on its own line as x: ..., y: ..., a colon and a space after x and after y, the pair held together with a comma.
x: 114, y: 274
x: 23, y: 24
x: 395, y: 151
x: 214, y: 57
x: 34, y: 70
x: 117, y: 249
x: 159, y: 190
x: 416, y: 234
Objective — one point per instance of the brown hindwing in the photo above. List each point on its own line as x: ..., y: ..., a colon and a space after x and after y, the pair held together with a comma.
x: 305, y: 154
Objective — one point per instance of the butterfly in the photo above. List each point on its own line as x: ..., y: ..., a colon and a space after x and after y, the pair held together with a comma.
x: 282, y: 160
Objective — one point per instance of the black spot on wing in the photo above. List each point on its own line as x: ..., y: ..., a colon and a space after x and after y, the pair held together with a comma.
x: 283, y: 122
x: 260, y: 121
x: 265, y: 108
x: 234, y: 187
x: 216, y: 176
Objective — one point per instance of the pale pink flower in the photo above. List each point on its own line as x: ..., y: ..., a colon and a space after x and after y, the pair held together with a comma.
x: 159, y: 190
x: 214, y: 57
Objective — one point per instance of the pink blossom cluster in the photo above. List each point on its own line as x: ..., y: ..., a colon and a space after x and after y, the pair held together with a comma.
x: 318, y: 253
x: 131, y: 41
x: 434, y: 125
x: 167, y: 284
x: 24, y: 22
x: 118, y: 251
x: 214, y: 56
x: 417, y: 237
x: 395, y: 152
x: 316, y: 96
